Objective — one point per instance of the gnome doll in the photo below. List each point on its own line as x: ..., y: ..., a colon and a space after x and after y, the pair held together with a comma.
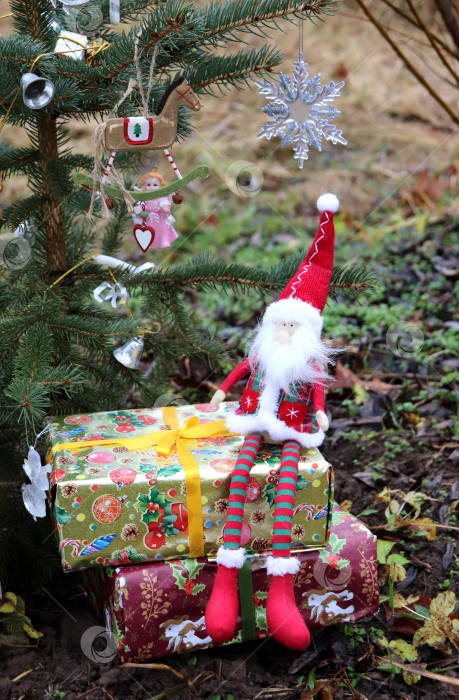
x: 283, y: 402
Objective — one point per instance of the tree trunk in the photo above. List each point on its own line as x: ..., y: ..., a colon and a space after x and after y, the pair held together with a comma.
x: 55, y: 238
x: 450, y: 19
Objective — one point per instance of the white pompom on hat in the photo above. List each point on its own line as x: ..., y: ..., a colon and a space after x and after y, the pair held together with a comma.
x: 328, y: 202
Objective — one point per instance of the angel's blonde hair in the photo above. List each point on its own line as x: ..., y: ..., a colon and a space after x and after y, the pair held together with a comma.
x: 153, y: 173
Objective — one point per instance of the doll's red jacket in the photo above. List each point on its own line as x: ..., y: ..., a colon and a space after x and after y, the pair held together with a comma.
x: 264, y: 408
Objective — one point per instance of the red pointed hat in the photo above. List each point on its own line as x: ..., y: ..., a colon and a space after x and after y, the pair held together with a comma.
x: 304, y: 296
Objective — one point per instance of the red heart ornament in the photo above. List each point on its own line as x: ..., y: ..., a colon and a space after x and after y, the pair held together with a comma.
x: 144, y: 236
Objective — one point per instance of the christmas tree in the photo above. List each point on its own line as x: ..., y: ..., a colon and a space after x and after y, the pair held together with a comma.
x: 56, y: 344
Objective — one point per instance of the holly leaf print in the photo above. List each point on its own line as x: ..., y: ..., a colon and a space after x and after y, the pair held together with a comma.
x: 302, y: 483
x: 169, y: 471
x: 193, y: 566
x: 178, y: 575
x: 62, y: 516
x: 157, y: 497
x: 342, y: 564
x: 142, y: 501
x: 323, y: 555
x: 335, y: 543
x: 198, y: 588
x: 269, y: 493
x: 146, y: 468
x: 148, y: 517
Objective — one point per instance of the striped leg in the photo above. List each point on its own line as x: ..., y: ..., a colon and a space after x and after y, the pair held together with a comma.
x: 223, y: 605
x: 238, y: 486
x: 285, y: 499
x: 284, y: 619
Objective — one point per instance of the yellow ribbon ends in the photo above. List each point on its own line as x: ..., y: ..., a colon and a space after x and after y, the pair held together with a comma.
x: 180, y: 437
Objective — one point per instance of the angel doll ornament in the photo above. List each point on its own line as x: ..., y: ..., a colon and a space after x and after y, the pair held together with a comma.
x: 153, y: 219
x: 283, y: 402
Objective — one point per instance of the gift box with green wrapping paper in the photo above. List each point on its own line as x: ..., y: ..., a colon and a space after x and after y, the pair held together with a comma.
x: 123, y: 490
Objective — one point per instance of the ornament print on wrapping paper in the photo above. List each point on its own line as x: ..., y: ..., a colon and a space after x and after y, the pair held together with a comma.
x: 300, y: 111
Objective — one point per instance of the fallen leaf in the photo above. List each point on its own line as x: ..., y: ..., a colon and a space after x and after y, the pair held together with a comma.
x: 383, y: 548
x: 424, y: 525
x: 346, y: 505
x: 405, y: 650
x: 420, y: 669
x: 31, y: 631
x: 345, y: 378
x: 413, y: 418
x: 426, y: 191
x: 397, y: 572
x: 442, y: 630
x: 400, y: 601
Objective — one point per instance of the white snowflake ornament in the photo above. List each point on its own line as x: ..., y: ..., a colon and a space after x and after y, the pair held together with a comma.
x: 300, y: 111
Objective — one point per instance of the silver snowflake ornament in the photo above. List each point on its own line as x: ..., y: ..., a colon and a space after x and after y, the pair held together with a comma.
x: 300, y: 111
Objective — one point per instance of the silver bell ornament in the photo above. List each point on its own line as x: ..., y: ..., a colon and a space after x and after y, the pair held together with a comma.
x: 130, y: 353
x: 37, y: 92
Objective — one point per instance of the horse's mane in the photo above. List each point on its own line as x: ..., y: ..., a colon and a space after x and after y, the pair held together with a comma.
x: 178, y: 81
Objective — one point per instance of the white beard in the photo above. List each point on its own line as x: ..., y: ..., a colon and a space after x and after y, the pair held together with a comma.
x: 285, y: 364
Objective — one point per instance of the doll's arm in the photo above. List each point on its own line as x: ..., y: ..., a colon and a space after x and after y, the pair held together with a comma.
x: 233, y: 377
x: 318, y: 398
x: 165, y: 204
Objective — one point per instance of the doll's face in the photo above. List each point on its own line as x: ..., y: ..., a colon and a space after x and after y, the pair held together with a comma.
x: 284, y: 331
x: 150, y: 183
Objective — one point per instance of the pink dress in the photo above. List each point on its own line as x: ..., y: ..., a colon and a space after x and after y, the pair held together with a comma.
x: 165, y: 233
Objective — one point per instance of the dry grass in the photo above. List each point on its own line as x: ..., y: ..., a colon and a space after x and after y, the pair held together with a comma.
x: 392, y: 125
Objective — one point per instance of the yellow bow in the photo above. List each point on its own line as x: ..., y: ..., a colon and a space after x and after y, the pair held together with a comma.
x: 165, y: 440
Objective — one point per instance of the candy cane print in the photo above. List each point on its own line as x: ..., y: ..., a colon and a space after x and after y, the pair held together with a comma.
x: 75, y: 543
x: 172, y: 162
x: 303, y: 506
x: 109, y: 167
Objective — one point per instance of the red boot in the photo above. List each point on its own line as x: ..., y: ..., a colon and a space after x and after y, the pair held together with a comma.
x: 284, y: 619
x: 223, y: 606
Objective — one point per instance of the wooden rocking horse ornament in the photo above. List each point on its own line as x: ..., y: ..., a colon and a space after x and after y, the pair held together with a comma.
x: 144, y: 133
x: 156, y: 132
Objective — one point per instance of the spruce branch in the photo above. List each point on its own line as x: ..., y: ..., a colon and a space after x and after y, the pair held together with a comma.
x: 232, y: 70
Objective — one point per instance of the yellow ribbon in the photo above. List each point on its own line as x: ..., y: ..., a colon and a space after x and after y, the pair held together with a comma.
x: 165, y: 440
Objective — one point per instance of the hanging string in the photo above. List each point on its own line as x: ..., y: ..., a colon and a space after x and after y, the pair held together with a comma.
x: 34, y: 63
x: 144, y: 331
x: 150, y: 75
x: 99, y: 135
x: 8, y: 112
x: 95, y: 50
x: 140, y: 331
x: 139, y: 73
x: 300, y: 33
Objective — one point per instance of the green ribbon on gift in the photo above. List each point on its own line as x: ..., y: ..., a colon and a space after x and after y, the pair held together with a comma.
x: 247, y: 602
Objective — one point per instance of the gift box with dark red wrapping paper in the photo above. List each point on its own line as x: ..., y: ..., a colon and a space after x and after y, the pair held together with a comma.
x: 157, y: 609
